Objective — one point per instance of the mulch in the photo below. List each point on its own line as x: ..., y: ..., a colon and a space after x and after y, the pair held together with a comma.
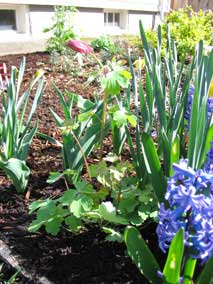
x: 67, y: 258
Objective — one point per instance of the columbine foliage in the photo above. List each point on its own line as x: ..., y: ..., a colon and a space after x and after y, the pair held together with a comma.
x: 83, y: 204
x: 104, y: 43
x: 16, y: 132
x: 80, y: 133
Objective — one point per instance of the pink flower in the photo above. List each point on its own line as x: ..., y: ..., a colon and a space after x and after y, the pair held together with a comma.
x: 79, y: 46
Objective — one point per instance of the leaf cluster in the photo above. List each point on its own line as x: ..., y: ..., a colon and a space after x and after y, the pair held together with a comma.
x: 116, y: 201
x: 188, y: 28
x: 16, y: 130
x: 62, y: 29
x: 176, y: 264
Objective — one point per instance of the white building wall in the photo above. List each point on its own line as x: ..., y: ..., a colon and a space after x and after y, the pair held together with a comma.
x: 22, y: 19
x: 143, y: 5
x: 134, y: 22
x: 89, y: 22
x: 149, y: 21
x: 32, y: 16
x: 40, y: 18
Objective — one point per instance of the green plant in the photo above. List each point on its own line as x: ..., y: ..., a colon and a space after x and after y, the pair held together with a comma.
x: 187, y: 198
x: 73, y: 208
x: 104, y: 43
x: 180, y: 207
x: 80, y: 133
x: 16, y: 132
x: 163, y: 92
x: 11, y: 280
x: 127, y: 200
x: 116, y: 201
x: 62, y: 29
x: 66, y: 62
x: 166, y: 90
x: 149, y: 267
x: 114, y: 78
x: 188, y: 28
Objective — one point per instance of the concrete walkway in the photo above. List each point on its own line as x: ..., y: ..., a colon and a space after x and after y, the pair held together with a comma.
x: 14, y: 43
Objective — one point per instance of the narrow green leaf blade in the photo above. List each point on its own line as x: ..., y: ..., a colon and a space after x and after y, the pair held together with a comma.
x: 153, y: 166
x: 141, y: 254
x: 18, y: 171
x: 172, y: 267
x: 206, y: 275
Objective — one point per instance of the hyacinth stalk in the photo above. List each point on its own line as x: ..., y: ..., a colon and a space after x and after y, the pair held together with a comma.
x: 189, y: 270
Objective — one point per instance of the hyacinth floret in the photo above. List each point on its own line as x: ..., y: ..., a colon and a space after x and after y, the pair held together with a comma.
x: 209, y: 160
x: 189, y: 105
x: 190, y: 199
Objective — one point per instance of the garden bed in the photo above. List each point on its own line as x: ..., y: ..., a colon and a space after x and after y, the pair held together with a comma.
x: 67, y: 258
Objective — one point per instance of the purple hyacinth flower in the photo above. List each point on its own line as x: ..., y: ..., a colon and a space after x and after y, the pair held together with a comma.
x: 190, y: 197
x: 189, y: 106
x: 209, y: 161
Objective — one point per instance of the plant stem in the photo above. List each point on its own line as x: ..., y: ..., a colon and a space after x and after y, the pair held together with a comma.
x: 189, y: 271
x: 83, y: 155
x: 118, y: 199
x: 96, y: 58
x: 103, y: 122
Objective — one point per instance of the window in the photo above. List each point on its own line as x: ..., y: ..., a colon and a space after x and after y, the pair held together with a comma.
x: 112, y: 19
x: 7, y: 20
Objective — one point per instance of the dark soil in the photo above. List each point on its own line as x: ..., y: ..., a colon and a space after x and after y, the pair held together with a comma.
x: 68, y: 258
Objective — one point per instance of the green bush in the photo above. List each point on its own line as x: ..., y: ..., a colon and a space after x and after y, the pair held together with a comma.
x: 188, y: 28
x: 104, y: 43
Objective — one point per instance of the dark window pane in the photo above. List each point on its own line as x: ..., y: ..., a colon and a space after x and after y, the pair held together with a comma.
x: 7, y: 20
x: 110, y: 18
x: 117, y: 19
x: 105, y: 18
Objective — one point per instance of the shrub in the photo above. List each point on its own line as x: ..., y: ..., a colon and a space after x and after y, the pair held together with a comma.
x: 188, y: 28
x: 104, y: 43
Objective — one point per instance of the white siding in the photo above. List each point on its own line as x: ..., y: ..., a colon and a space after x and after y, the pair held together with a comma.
x: 89, y: 22
x: 147, y: 20
x: 142, y: 5
x: 40, y: 18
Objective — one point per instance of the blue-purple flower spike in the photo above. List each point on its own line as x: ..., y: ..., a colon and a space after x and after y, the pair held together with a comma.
x: 209, y: 160
x: 189, y: 106
x: 190, y: 197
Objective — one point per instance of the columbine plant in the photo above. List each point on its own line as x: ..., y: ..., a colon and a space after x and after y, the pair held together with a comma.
x: 113, y: 78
